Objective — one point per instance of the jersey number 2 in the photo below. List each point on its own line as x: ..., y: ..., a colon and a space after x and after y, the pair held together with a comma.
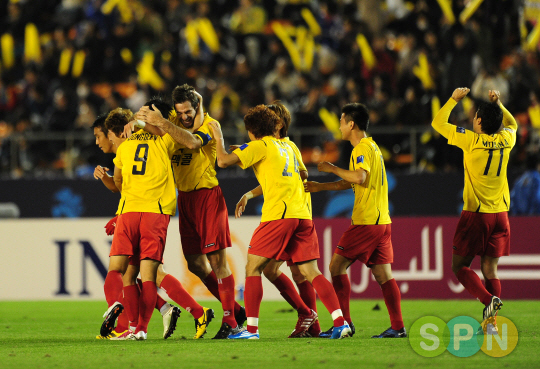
x: 142, y: 158
x: 284, y: 153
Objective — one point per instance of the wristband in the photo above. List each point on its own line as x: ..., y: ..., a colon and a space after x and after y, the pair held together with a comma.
x: 140, y: 124
x: 249, y: 195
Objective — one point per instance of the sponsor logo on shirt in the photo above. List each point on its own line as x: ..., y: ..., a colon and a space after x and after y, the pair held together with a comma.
x: 340, y: 247
x: 243, y: 146
x: 460, y: 130
x: 360, y: 159
x: 210, y: 245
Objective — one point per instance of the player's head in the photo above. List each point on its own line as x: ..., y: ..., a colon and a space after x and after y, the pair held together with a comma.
x: 353, y: 116
x: 115, y: 122
x: 100, y: 133
x: 186, y: 104
x: 285, y: 116
x: 165, y: 109
x: 260, y: 121
x: 489, y: 117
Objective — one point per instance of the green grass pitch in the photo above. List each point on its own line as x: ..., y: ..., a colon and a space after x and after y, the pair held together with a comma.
x: 62, y: 335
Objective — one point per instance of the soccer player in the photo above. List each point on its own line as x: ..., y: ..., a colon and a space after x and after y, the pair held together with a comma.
x: 483, y: 228
x: 166, y: 281
x: 286, y: 230
x: 305, y: 303
x: 143, y: 165
x: 202, y: 212
x: 368, y: 238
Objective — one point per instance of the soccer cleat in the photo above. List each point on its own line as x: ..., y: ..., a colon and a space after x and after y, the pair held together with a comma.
x: 341, y: 332
x: 392, y: 333
x: 110, y: 318
x: 326, y: 334
x: 202, y: 323
x: 303, y: 324
x: 124, y: 336
x: 353, y: 330
x: 313, y: 331
x: 111, y: 336
x: 226, y: 330
x: 169, y: 321
x: 240, y: 317
x: 244, y: 334
x: 140, y: 336
x: 488, y: 326
x: 491, y: 309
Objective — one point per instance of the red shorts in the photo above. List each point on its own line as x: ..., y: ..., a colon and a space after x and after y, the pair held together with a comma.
x: 204, y: 221
x: 369, y: 244
x: 286, y: 239
x: 482, y: 234
x: 141, y: 236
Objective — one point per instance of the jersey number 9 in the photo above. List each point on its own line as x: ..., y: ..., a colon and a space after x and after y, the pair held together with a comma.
x: 142, y: 157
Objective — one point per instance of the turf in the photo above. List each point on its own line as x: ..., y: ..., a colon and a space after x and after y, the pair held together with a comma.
x: 62, y: 335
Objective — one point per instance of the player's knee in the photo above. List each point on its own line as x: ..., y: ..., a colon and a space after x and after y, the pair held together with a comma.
x: 336, y: 268
x: 457, y: 267
x: 197, y: 269
x: 270, y: 273
x: 298, y: 277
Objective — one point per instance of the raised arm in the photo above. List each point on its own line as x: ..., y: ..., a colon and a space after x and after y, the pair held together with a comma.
x: 508, y: 119
x: 224, y: 159
x: 180, y: 135
x: 440, y: 122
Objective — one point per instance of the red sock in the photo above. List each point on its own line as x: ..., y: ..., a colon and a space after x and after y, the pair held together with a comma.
x: 178, y: 294
x: 147, y: 302
x: 212, y: 284
x: 392, y: 299
x: 226, y: 294
x: 328, y: 297
x: 113, y: 287
x: 472, y: 283
x: 493, y: 286
x: 253, y: 296
x: 123, y: 320
x: 307, y: 294
x: 159, y: 300
x: 287, y: 290
x: 342, y: 286
x: 131, y: 297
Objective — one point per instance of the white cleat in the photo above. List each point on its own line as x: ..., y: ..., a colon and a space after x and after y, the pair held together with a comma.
x: 169, y: 321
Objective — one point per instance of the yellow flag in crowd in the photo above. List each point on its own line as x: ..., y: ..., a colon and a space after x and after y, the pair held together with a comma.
x: 331, y: 121
x: 78, y: 63
x: 32, y: 47
x: 367, y: 52
x: 126, y: 15
x: 311, y: 22
x: 446, y: 7
x: 469, y: 10
x: 147, y: 73
x: 8, y: 53
x: 208, y: 34
x: 422, y: 72
x: 435, y: 106
x: 65, y: 61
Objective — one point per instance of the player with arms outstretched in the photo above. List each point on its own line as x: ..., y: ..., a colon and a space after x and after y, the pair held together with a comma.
x: 368, y: 238
x: 483, y: 228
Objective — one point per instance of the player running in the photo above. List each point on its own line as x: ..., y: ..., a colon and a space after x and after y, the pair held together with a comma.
x: 368, y: 238
x: 483, y: 228
x: 286, y: 230
x: 202, y: 212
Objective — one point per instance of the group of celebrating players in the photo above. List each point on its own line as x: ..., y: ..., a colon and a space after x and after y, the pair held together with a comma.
x: 164, y: 148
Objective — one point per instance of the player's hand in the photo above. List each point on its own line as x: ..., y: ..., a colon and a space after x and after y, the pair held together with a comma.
x: 128, y: 129
x: 494, y: 96
x: 218, y: 135
x: 149, y: 116
x: 111, y: 226
x: 311, y: 186
x: 326, y: 167
x: 100, y: 172
x: 234, y: 147
x: 460, y: 93
x: 240, y: 207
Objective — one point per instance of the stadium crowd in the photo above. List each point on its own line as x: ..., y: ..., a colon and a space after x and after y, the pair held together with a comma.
x: 65, y: 62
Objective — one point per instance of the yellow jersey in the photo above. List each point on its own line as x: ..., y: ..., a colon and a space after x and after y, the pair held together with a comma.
x: 485, y: 160
x: 276, y: 167
x: 196, y: 169
x: 147, y: 176
x: 370, y: 197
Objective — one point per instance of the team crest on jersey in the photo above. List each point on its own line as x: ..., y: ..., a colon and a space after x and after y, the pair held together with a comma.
x: 243, y: 146
x: 460, y: 130
x: 360, y: 159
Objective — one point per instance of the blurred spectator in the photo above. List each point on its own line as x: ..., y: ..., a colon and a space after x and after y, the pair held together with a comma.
x: 525, y: 195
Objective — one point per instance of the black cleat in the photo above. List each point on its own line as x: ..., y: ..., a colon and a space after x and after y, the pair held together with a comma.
x: 491, y: 309
x: 392, y: 333
x: 240, y: 317
x: 226, y: 330
x: 110, y: 318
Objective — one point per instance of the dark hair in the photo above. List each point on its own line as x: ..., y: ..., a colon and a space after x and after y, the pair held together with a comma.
x: 491, y: 115
x: 117, y: 119
x: 185, y: 93
x: 100, y: 123
x: 358, y: 113
x: 164, y: 108
x: 283, y: 113
x: 261, y: 121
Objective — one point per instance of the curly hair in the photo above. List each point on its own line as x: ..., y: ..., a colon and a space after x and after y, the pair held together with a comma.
x: 185, y: 93
x: 284, y: 114
x: 261, y: 121
x: 491, y: 115
x: 117, y: 119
